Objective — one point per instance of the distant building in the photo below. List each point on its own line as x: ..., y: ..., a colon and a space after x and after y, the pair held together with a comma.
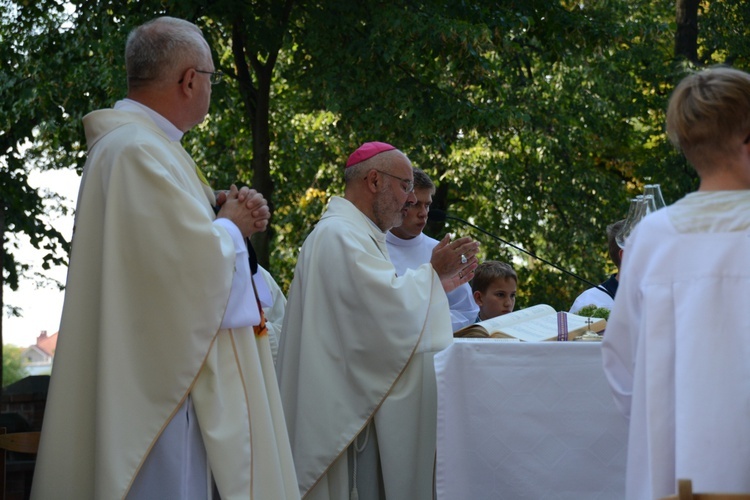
x: 37, y: 359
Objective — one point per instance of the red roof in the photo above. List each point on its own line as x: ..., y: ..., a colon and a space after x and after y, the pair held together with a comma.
x: 48, y: 344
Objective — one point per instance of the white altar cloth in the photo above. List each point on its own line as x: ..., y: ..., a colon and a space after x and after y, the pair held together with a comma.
x: 527, y: 420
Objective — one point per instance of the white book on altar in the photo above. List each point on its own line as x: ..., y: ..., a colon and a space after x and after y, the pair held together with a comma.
x: 534, y: 324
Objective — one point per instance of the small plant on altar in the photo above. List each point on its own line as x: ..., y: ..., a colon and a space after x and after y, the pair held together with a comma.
x: 593, y: 311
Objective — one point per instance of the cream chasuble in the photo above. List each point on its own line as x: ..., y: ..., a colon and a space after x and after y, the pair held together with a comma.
x: 357, y: 347
x: 147, y: 287
x: 677, y: 347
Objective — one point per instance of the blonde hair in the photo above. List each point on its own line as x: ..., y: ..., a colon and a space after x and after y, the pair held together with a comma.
x: 707, y: 113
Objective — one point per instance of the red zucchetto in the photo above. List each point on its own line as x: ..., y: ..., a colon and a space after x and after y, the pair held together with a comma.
x: 367, y: 151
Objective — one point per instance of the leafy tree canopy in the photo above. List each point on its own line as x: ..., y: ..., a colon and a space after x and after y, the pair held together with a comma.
x: 538, y: 120
x: 13, y: 369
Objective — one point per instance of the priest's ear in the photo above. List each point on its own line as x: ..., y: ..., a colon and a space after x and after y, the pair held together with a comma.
x: 373, y: 180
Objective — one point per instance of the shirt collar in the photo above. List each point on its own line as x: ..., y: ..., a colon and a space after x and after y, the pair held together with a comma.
x: 165, y: 125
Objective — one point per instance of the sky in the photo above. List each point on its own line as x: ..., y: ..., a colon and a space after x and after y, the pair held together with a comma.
x: 41, y: 307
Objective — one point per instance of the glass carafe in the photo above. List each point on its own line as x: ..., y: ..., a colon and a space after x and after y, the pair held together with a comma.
x: 639, y: 207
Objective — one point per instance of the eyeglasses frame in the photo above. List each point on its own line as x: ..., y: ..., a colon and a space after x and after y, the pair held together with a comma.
x: 214, y: 77
x: 408, y: 188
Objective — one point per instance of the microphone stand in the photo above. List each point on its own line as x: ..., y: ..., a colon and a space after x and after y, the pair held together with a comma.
x: 441, y: 215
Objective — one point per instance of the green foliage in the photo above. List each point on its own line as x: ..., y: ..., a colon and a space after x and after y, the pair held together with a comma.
x: 31, y: 111
x: 13, y: 370
x: 538, y: 120
x: 724, y: 29
x: 592, y: 311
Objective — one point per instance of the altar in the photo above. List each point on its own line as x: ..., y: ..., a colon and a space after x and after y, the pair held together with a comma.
x: 527, y: 420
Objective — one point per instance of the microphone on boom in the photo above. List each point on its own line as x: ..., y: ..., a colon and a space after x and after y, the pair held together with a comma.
x: 437, y: 215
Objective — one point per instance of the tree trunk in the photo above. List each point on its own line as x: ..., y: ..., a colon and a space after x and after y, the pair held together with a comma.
x: 261, y: 163
x: 2, y: 285
x: 257, y: 99
x: 686, y: 38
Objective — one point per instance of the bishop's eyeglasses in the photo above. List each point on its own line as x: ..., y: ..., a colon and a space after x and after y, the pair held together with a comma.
x: 406, y: 184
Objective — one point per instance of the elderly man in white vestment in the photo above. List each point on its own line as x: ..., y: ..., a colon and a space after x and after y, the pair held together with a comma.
x: 163, y: 384
x: 409, y: 248
x: 677, y: 347
x: 355, y: 361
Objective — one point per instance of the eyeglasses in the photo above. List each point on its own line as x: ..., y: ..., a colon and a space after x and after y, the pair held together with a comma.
x: 406, y: 184
x: 214, y: 76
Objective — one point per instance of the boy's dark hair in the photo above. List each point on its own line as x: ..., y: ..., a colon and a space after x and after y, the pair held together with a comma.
x: 488, y: 271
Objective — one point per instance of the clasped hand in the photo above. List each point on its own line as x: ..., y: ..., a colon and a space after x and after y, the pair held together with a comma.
x: 246, y: 207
